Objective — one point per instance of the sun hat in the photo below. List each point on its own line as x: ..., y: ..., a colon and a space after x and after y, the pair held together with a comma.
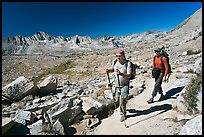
x: 120, y: 52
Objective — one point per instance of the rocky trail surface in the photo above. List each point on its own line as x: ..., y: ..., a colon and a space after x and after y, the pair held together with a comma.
x: 158, y: 118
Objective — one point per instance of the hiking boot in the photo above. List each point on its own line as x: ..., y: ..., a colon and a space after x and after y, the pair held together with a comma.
x: 122, y: 118
x: 162, y: 97
x: 150, y: 100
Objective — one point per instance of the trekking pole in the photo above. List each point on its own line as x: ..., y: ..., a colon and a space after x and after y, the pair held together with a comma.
x: 109, y: 84
x: 121, y: 101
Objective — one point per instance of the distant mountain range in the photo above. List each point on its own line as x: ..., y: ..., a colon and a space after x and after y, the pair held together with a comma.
x: 42, y: 43
x: 36, y: 43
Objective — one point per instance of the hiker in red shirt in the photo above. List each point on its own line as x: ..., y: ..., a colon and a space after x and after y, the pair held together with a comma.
x: 159, y: 72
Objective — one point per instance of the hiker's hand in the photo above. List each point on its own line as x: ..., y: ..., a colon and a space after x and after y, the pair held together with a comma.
x: 117, y: 72
x: 107, y: 70
x: 110, y: 85
x: 164, y: 79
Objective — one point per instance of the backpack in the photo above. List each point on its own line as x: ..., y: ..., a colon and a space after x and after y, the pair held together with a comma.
x: 166, y: 55
x: 133, y: 68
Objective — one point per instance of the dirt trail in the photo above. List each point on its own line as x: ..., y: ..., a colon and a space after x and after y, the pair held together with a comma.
x: 157, y: 118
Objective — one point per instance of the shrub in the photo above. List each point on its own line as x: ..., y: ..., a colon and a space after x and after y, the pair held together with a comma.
x: 55, y: 70
x: 190, y: 95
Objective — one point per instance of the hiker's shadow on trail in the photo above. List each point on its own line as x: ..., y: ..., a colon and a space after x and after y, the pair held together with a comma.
x: 173, y: 93
x: 164, y: 108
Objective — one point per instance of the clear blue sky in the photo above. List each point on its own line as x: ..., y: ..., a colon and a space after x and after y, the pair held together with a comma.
x: 92, y: 19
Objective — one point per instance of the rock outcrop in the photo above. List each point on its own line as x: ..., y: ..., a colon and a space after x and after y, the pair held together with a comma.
x: 192, y: 127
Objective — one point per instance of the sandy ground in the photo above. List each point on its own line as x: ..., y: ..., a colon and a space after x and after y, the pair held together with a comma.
x: 158, y: 118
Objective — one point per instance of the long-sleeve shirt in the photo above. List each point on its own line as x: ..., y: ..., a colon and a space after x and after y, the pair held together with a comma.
x: 158, y: 64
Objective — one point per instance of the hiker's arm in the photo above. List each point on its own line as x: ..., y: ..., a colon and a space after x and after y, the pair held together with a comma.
x: 123, y: 74
x: 150, y: 74
x: 166, y: 67
x: 126, y: 75
x: 153, y: 63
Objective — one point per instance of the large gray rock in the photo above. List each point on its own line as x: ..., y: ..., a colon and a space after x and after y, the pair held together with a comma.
x: 23, y: 117
x: 19, y: 88
x: 192, y: 127
x: 58, y: 128
x: 91, y: 106
x: 66, y: 111
x: 196, y: 67
x: 179, y: 103
x: 36, y: 128
x: 48, y: 85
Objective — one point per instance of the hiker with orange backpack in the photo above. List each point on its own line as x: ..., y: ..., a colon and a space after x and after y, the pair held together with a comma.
x: 160, y: 69
x: 122, y: 69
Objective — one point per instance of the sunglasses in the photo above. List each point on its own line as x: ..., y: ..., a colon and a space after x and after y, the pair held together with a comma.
x: 118, y: 56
